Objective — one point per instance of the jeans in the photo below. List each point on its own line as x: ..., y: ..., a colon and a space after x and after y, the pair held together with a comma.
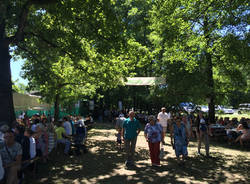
x: 67, y: 144
x: 130, y: 149
x: 204, y: 136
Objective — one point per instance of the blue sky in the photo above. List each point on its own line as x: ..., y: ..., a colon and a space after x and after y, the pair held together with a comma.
x: 16, y: 71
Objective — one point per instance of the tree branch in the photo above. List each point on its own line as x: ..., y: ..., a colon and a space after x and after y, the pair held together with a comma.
x: 70, y: 83
x: 101, y: 37
x: 29, y: 53
x: 44, y: 2
x: 19, y: 35
x: 50, y: 44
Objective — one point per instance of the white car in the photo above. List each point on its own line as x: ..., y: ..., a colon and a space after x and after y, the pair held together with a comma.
x: 227, y: 110
x: 204, y: 108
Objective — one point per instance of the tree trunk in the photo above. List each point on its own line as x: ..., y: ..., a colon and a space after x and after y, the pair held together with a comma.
x: 209, y: 69
x: 56, y: 107
x: 7, y: 114
x: 210, y: 83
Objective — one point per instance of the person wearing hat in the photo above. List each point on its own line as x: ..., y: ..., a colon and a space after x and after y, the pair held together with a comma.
x: 154, y: 135
x: 163, y: 118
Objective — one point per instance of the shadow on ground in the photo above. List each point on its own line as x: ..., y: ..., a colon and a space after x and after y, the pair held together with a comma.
x: 104, y: 163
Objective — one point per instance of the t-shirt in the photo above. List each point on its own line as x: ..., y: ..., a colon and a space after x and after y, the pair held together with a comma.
x: 119, y: 122
x: 32, y: 147
x: 72, y: 123
x: 14, y: 151
x: 203, y: 126
x: 59, y: 131
x: 68, y: 128
x: 130, y: 128
x: 153, y: 132
x: 51, y: 141
x: 163, y: 118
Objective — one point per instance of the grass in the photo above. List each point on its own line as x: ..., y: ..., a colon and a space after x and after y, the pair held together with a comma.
x: 104, y: 163
x: 235, y: 115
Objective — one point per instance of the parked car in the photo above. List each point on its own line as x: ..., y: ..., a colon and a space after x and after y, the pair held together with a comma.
x: 204, y: 108
x: 189, y: 107
x: 227, y: 110
x: 245, y: 107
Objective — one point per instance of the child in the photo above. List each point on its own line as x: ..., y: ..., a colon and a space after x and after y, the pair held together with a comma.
x: 80, y: 137
x: 119, y: 140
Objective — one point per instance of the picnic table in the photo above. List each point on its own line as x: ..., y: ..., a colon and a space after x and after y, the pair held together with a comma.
x: 218, y: 130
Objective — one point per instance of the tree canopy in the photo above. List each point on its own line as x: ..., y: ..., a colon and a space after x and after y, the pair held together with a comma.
x: 79, y: 48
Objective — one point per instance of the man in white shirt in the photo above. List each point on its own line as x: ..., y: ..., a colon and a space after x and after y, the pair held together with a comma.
x: 28, y: 133
x: 67, y: 126
x: 163, y: 119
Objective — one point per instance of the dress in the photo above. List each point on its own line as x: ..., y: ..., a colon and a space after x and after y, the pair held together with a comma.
x: 180, y: 140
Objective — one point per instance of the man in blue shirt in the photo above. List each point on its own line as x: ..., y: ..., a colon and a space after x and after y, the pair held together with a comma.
x: 130, y: 131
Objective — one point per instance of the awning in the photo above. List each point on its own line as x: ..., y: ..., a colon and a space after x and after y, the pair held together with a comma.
x: 144, y: 81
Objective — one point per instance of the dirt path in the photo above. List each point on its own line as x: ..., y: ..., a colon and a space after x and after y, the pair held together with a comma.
x: 105, y: 164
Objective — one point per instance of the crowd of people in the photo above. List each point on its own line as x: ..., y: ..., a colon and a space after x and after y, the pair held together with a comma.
x: 36, y: 138
x: 182, y: 128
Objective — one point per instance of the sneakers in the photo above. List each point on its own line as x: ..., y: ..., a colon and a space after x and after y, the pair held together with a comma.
x: 129, y: 164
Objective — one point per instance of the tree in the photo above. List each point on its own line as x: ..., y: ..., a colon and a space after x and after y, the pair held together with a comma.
x: 199, y: 34
x: 24, y: 23
x: 13, y: 22
x: 84, y: 51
